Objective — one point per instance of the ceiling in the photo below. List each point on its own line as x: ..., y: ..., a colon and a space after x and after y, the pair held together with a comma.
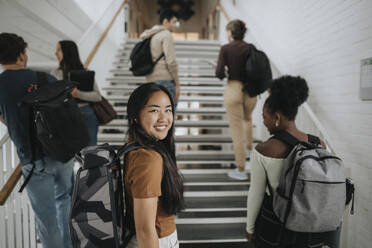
x: 42, y: 23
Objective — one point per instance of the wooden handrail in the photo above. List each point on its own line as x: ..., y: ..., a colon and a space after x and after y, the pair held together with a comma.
x: 223, y: 11
x: 103, y: 36
x: 10, y: 184
x: 12, y: 181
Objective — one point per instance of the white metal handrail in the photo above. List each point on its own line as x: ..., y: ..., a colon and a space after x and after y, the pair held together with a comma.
x: 17, y: 220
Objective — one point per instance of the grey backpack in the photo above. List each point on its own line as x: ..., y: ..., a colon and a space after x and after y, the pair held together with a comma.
x: 98, y: 211
x: 311, y: 195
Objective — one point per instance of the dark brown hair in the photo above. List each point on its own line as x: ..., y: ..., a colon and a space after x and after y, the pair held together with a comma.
x: 11, y: 45
x: 237, y: 28
x: 71, y: 58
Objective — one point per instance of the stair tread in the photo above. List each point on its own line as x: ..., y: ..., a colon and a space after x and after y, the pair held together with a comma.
x: 201, y: 99
x: 210, y: 178
x: 183, y: 88
x: 205, y: 110
x: 211, y: 231
x: 179, y: 123
x: 216, y: 202
x: 106, y: 137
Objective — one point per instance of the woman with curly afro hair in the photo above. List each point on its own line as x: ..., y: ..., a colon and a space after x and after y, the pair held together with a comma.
x: 287, y: 93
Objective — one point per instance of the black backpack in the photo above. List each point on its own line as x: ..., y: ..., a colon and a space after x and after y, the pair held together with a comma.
x: 59, y: 125
x: 141, y: 58
x: 99, y: 215
x: 257, y: 72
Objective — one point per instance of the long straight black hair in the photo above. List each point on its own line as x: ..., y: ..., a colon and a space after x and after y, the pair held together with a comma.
x: 172, y: 187
x: 71, y: 58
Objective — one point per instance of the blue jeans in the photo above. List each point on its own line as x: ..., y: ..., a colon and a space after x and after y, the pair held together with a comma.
x: 49, y: 191
x: 171, y: 87
x: 92, y: 123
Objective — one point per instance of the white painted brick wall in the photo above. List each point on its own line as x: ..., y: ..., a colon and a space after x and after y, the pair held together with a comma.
x: 324, y: 41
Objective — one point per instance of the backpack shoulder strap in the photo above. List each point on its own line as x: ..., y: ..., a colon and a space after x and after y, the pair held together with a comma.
x: 286, y: 137
x: 127, y: 148
x: 41, y: 78
x: 157, y: 60
x: 313, y: 139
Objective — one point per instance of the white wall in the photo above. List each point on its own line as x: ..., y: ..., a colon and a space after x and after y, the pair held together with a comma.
x: 42, y: 23
x: 104, y: 57
x: 324, y: 41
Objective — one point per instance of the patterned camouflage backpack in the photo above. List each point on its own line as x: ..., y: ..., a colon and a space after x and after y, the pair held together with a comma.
x: 97, y: 216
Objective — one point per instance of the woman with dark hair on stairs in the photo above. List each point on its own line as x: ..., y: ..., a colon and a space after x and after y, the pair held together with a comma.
x: 67, y: 54
x: 152, y: 180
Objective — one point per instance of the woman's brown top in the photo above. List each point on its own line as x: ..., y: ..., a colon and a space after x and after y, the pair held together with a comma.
x: 143, y: 175
x: 233, y: 55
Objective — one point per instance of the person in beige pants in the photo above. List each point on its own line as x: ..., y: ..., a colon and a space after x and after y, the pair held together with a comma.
x: 239, y: 105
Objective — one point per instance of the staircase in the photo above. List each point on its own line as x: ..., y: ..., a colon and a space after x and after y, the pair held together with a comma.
x: 215, y: 211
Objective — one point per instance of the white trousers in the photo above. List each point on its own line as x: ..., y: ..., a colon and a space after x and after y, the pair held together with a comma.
x: 170, y: 241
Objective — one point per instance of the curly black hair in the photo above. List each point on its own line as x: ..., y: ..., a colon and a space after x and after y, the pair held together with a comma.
x: 11, y: 45
x: 166, y: 14
x: 287, y: 93
x: 237, y: 28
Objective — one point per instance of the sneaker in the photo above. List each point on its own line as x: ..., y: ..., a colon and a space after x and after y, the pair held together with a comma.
x: 236, y: 174
x: 247, y: 167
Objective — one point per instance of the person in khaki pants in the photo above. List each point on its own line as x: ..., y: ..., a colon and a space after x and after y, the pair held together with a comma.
x: 239, y: 105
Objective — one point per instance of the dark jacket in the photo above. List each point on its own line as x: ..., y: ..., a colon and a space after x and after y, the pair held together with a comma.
x: 234, y: 56
x: 18, y: 117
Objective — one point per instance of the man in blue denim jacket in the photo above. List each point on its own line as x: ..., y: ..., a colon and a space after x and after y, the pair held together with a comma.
x: 50, y: 184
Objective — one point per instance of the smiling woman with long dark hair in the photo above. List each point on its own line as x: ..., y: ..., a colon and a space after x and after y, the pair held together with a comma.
x: 152, y: 180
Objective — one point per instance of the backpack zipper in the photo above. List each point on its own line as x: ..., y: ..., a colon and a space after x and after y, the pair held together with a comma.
x: 312, y: 157
x: 315, y: 181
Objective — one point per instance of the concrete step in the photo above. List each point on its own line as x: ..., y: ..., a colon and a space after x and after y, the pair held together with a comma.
x: 204, y: 111
x: 183, y: 82
x: 181, y: 71
x: 215, y: 178
x: 180, y: 54
x: 205, y: 138
x: 209, y: 188
x: 120, y: 130
x: 206, y: 156
x: 127, y: 89
x: 193, y: 43
x: 192, y: 60
x: 209, y: 74
x: 130, y: 79
x: 211, y: 214
x: 180, y: 47
x: 218, y: 230
x: 233, y: 203
x: 180, y: 123
x: 200, y: 99
x: 194, y: 66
